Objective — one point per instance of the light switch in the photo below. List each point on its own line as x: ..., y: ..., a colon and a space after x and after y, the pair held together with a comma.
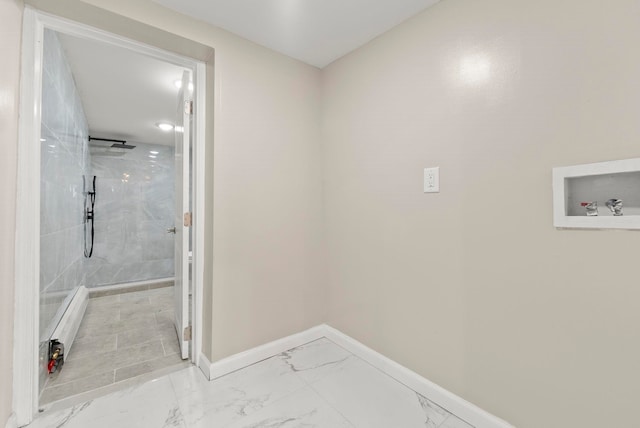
x: 432, y: 180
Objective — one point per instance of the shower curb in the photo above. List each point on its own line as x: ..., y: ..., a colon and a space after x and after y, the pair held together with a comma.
x: 132, y: 287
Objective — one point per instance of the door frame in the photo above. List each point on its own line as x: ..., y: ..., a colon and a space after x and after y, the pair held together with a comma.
x: 27, y: 245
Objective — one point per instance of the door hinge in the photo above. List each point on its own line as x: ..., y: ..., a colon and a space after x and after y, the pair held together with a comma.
x: 188, y: 107
x: 187, y: 219
x: 186, y: 335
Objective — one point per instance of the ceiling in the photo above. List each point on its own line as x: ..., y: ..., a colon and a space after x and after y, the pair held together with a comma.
x: 314, y: 31
x: 124, y: 94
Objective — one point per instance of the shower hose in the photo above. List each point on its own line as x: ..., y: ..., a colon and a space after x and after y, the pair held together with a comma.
x: 90, y: 199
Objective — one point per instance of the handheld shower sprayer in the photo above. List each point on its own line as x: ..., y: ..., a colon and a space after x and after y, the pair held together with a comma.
x: 89, y: 203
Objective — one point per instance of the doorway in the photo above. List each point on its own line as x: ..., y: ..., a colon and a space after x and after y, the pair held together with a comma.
x: 30, y: 323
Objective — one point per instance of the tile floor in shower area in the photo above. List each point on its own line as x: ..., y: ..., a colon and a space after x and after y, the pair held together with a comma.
x: 121, y: 337
x: 317, y: 385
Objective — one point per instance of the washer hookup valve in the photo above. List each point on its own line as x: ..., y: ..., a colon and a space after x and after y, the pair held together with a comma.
x: 615, y: 206
x: 590, y: 207
x: 56, y: 356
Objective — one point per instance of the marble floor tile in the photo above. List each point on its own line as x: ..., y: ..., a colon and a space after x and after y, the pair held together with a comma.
x: 317, y: 359
x: 369, y: 398
x: 152, y: 404
x: 316, y: 385
x: 435, y: 414
x: 225, y: 400
x: 304, y: 408
x: 455, y: 422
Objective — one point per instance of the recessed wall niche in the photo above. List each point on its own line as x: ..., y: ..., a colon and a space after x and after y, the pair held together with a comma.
x: 604, y: 195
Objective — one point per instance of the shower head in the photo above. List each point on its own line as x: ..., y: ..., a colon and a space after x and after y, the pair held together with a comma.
x: 123, y: 146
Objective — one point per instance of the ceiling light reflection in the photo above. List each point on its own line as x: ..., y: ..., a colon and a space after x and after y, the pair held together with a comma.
x: 166, y: 127
x: 178, y: 84
x: 475, y: 69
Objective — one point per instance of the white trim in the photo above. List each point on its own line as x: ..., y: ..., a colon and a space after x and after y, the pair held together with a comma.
x: 78, y: 29
x: 205, y: 366
x: 27, y: 244
x: 11, y: 422
x: 465, y: 410
x: 199, y: 198
x: 262, y: 352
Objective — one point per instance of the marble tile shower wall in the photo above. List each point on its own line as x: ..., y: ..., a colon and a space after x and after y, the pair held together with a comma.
x: 64, y: 162
x: 133, y: 209
x: 64, y: 157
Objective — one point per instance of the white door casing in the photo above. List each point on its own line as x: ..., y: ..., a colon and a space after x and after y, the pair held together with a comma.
x: 26, y: 285
x: 182, y: 213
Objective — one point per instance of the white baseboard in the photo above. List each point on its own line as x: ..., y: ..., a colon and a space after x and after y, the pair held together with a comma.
x: 444, y: 398
x: 458, y: 406
x: 204, y: 365
x: 11, y: 422
x: 268, y: 350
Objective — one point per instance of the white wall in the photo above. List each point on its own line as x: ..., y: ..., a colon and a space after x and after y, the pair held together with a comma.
x: 267, y: 248
x: 473, y: 287
x: 10, y: 36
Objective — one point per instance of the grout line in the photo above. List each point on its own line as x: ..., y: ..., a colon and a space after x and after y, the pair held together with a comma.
x: 324, y: 400
x: 164, y: 350
x: 58, y: 385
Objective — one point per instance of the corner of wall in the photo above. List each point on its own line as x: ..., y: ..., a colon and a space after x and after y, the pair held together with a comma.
x: 10, y: 51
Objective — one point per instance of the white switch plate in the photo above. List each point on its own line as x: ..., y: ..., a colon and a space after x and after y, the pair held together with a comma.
x: 432, y: 180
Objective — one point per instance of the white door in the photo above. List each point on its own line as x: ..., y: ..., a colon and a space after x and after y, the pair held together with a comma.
x: 183, y: 216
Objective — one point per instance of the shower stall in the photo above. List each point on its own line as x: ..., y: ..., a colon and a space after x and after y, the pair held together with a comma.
x: 134, y: 206
x: 105, y: 208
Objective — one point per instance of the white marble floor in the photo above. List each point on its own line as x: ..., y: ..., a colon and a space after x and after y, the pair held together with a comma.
x: 316, y: 385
